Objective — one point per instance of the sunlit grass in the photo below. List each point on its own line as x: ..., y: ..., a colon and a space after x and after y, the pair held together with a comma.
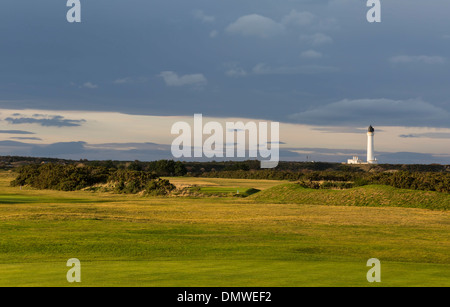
x: 367, y: 196
x: 221, y: 241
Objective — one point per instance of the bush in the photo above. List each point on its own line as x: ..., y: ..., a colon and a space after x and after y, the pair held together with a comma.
x: 60, y: 177
x: 72, y: 178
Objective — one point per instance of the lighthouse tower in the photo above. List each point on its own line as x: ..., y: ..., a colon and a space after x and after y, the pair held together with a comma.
x: 370, y: 146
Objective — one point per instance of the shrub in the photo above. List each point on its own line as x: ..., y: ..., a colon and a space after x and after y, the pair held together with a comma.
x: 71, y: 178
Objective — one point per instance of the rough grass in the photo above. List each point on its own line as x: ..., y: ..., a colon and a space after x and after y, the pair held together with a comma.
x: 223, y: 191
x: 181, y: 182
x: 367, y: 196
x: 224, y: 241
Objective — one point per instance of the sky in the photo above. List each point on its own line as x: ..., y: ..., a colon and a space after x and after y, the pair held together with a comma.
x: 112, y: 86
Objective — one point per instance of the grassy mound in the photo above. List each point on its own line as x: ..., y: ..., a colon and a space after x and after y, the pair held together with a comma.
x: 370, y: 196
x: 223, y: 191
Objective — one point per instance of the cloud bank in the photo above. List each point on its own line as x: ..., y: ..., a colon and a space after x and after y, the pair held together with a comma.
x: 153, y: 151
x: 45, y: 120
x: 173, y: 79
x: 380, y: 112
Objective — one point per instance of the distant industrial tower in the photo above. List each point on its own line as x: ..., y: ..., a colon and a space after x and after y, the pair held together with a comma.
x: 370, y: 146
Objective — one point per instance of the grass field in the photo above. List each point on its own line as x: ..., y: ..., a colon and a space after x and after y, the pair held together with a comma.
x: 366, y: 196
x: 224, y: 183
x: 277, y: 237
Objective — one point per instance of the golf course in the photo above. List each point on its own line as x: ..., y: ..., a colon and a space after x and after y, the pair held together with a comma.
x: 224, y: 232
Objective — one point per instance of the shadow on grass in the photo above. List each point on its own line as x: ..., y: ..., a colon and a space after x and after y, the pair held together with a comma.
x: 249, y: 192
x: 21, y: 199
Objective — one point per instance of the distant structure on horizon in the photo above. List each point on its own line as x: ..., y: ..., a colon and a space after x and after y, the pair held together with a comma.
x: 370, y: 149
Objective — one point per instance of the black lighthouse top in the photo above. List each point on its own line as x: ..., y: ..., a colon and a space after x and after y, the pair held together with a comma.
x: 371, y: 129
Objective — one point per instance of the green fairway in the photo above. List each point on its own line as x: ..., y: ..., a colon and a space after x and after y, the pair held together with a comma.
x: 215, y: 241
x: 222, y: 273
x: 366, y: 196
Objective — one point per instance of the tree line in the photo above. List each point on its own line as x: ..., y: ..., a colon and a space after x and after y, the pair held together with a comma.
x: 178, y: 168
x: 72, y: 175
x: 427, y: 181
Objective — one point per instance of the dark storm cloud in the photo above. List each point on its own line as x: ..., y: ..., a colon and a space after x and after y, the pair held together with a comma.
x: 430, y: 135
x: 58, y: 149
x: 382, y: 112
x: 27, y: 138
x: 46, y: 121
x: 342, y: 130
x: 153, y: 151
x: 182, y: 49
x: 15, y: 132
x: 82, y: 150
x: 7, y: 145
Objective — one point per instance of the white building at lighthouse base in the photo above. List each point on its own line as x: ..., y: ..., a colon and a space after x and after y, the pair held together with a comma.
x: 355, y: 160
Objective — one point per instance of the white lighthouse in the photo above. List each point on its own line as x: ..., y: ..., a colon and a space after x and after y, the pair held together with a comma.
x: 370, y: 150
x: 370, y: 146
